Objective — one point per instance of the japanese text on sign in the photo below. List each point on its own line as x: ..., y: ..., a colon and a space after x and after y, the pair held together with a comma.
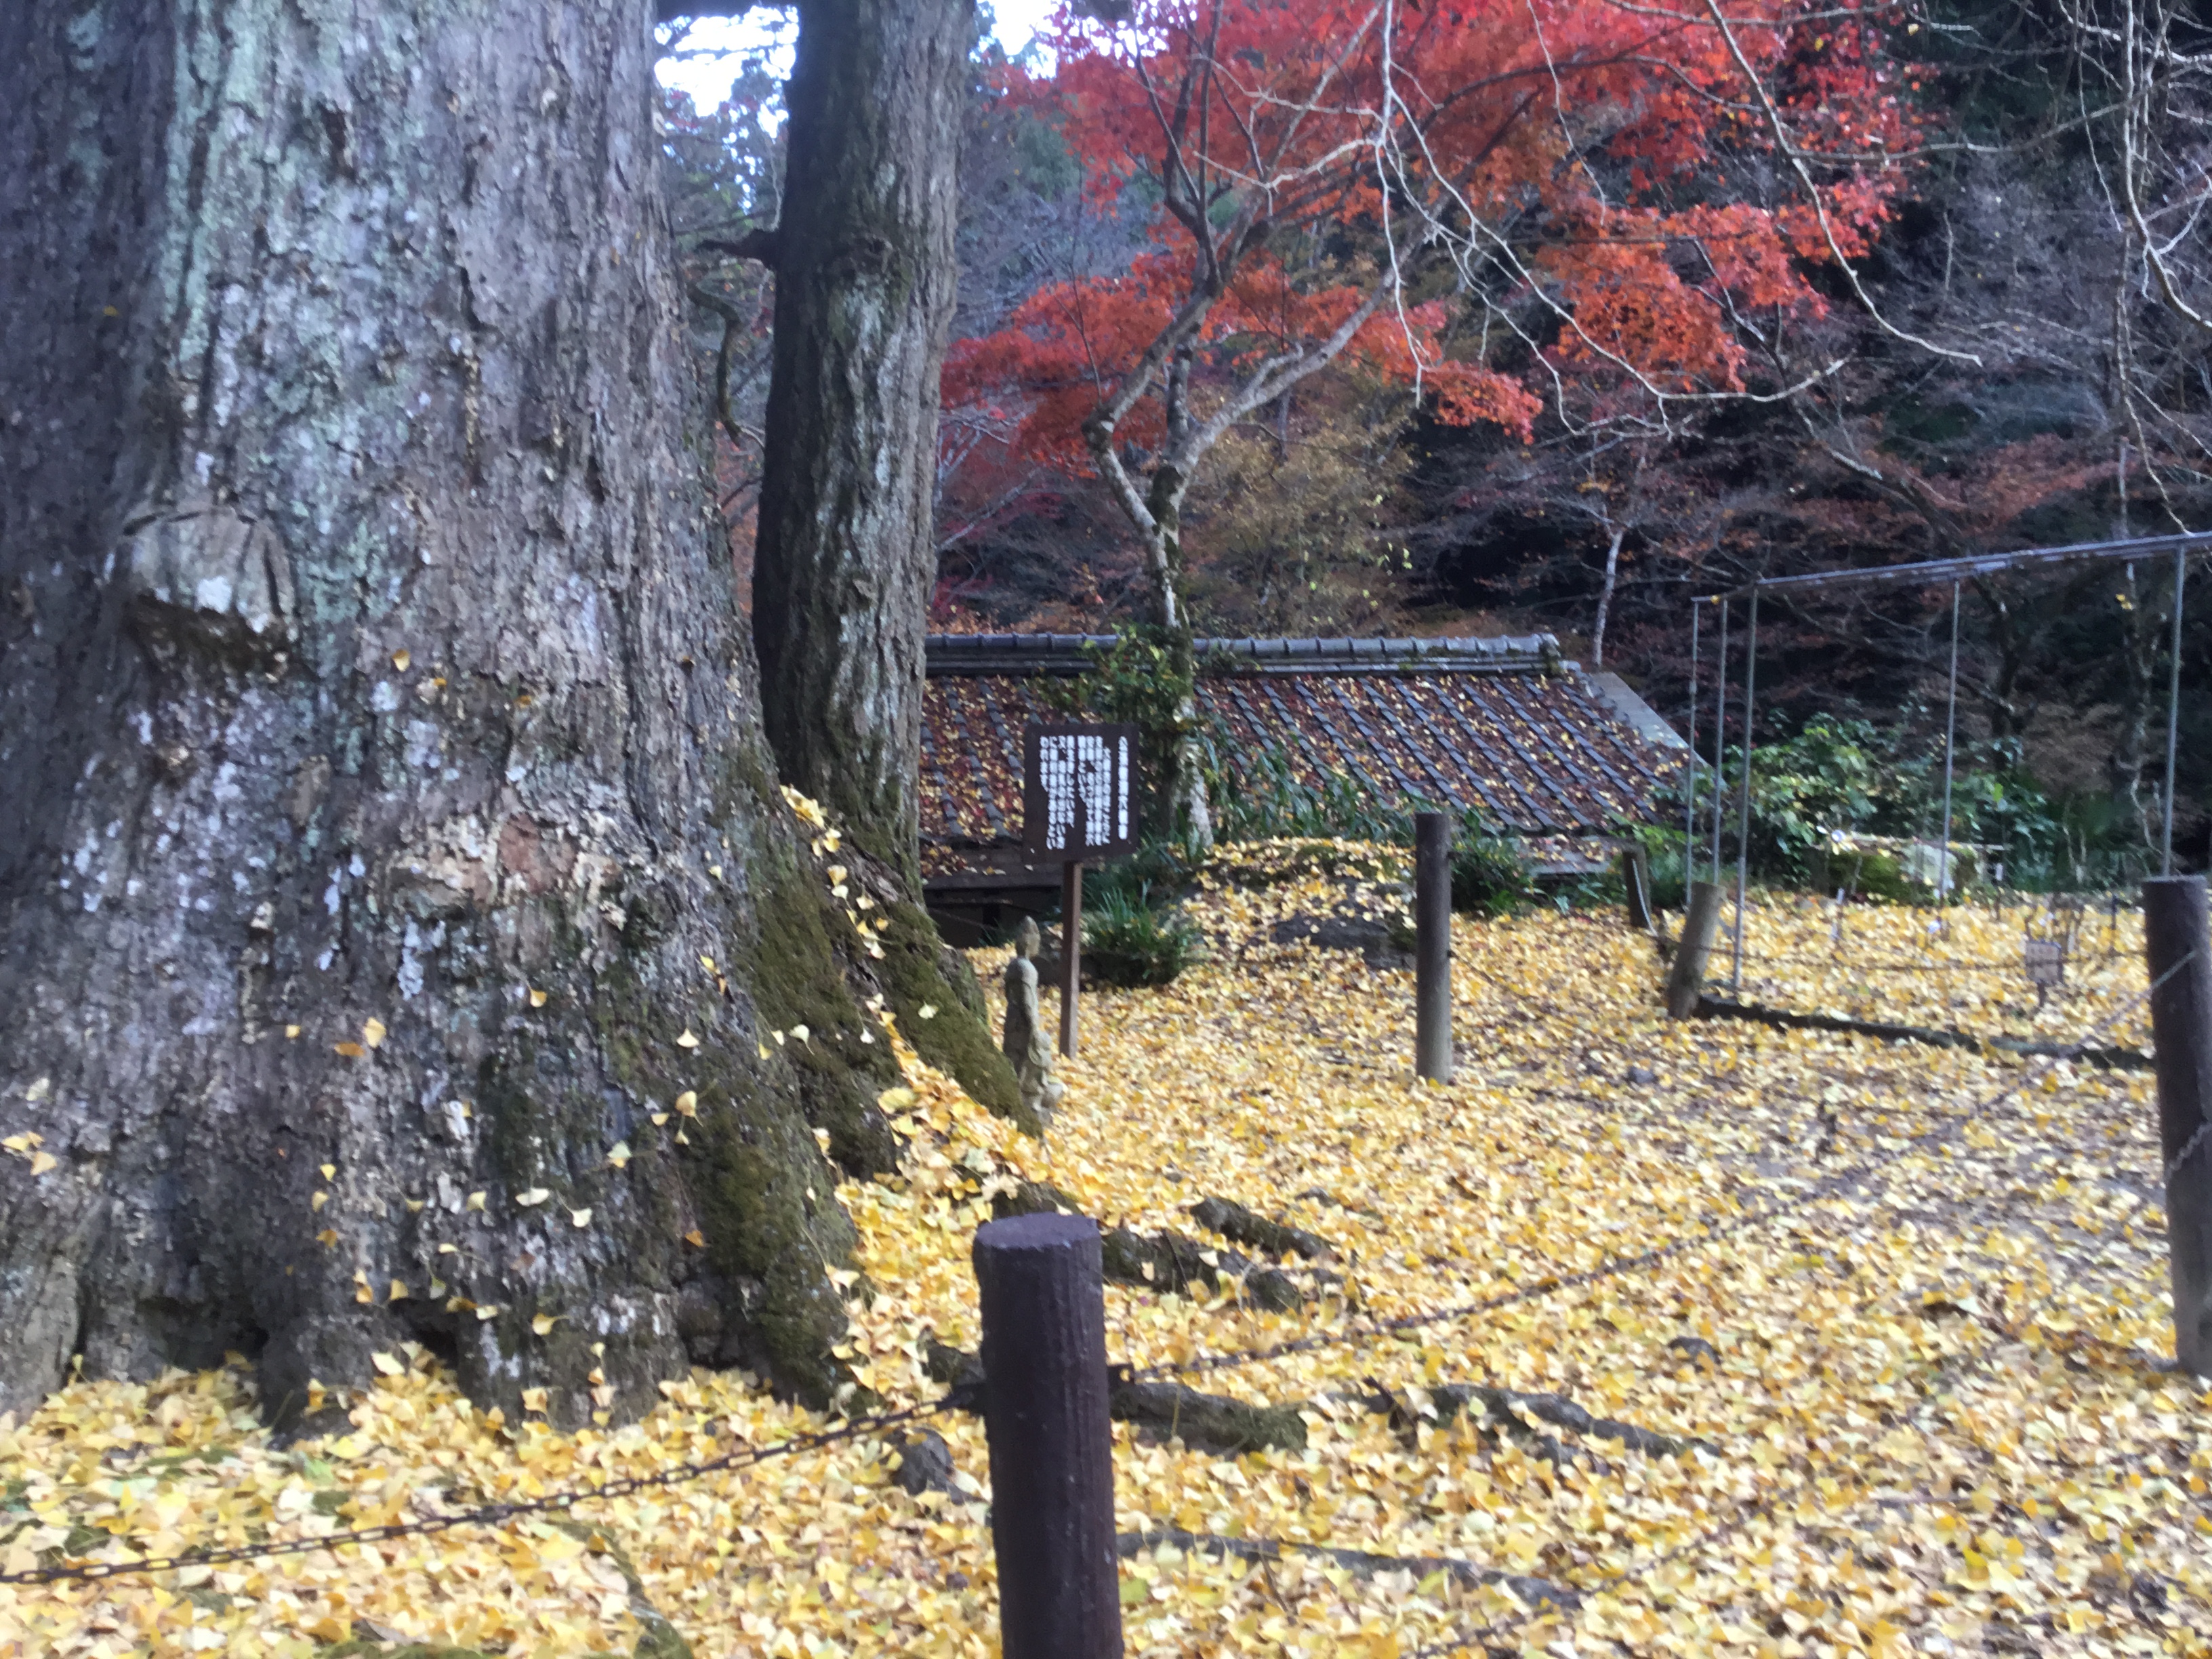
x: 1077, y: 792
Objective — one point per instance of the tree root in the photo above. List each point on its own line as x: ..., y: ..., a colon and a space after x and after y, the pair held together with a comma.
x: 1208, y: 1422
x: 1532, y: 1592
x: 1241, y: 1226
x: 1169, y: 1261
x: 1510, y: 1412
x: 1205, y: 1422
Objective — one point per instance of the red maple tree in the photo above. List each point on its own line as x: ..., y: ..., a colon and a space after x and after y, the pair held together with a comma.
x: 1598, y: 204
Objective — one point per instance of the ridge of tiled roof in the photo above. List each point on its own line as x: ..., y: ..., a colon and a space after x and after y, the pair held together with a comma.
x: 1018, y: 655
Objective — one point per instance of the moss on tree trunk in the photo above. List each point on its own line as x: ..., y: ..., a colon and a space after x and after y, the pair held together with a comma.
x: 388, y: 811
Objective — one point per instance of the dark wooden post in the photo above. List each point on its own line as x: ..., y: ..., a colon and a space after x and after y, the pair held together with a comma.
x: 1071, y: 951
x: 1635, y: 876
x: 1685, y: 980
x: 1052, y: 1444
x: 1432, y: 993
x: 2176, y: 943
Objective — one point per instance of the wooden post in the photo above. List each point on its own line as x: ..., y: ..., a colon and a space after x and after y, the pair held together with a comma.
x: 1071, y: 952
x: 1432, y: 993
x: 1635, y: 876
x: 1685, y: 982
x: 2179, y: 949
x: 1052, y: 1444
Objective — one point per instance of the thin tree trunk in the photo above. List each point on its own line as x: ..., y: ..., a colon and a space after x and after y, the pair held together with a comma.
x: 1605, y: 597
x: 382, y: 757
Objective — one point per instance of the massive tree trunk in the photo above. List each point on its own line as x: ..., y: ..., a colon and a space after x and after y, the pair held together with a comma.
x: 388, y: 843
x: 845, y: 556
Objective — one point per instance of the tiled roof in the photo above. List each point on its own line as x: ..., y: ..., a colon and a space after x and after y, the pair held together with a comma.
x: 1502, y: 727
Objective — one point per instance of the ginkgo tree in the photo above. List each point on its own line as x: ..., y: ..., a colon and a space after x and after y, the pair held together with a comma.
x: 1596, y: 205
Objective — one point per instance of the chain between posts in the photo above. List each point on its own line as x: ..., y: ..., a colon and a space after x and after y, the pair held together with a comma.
x: 1722, y: 1228
x: 490, y: 1514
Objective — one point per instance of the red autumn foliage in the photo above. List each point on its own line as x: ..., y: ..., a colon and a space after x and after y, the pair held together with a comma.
x: 1600, y: 185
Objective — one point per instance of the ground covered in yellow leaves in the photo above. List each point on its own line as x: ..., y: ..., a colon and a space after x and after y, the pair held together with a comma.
x: 1913, y: 1342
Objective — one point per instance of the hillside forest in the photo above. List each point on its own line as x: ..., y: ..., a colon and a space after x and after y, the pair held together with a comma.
x: 1960, y: 307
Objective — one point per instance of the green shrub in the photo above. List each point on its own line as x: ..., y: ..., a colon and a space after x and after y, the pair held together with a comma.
x: 1158, y: 872
x: 1873, y: 876
x: 1853, y: 776
x: 1489, y: 876
x: 1131, y: 944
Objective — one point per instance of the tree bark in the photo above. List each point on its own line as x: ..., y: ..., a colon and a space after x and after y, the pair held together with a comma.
x: 1605, y: 595
x: 382, y: 755
x: 865, y: 282
x: 846, y: 551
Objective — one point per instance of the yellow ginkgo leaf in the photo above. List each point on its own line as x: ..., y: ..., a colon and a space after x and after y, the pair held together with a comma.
x: 687, y: 1040
x: 372, y: 1032
x: 487, y: 1310
x: 619, y: 1156
x: 401, y: 658
x: 928, y: 1011
x: 387, y: 1364
x: 581, y: 1218
x: 687, y: 1103
x: 350, y: 1050
x: 802, y: 1033
x: 476, y: 1202
x: 327, y: 1238
x: 534, y: 1400
x: 532, y: 1197
x: 543, y: 1323
x: 696, y: 1238
x: 318, y: 1199
x: 41, y: 1162
x: 536, y: 997
x: 329, y: 1171
x: 398, y: 1292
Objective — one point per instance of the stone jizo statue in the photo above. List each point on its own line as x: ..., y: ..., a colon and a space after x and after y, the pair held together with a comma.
x: 1025, y: 1043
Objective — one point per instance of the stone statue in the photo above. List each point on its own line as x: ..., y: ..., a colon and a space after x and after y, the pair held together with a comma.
x: 1025, y: 1043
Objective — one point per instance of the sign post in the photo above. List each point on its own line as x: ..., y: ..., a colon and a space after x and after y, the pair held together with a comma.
x: 1077, y: 807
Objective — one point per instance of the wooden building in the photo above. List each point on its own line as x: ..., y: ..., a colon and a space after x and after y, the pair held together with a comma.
x: 1542, y: 750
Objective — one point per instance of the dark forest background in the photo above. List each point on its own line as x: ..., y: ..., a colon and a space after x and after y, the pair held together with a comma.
x: 2035, y: 369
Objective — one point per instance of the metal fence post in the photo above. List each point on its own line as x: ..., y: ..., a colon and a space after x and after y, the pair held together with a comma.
x: 1051, y: 1442
x: 2175, y: 941
x: 1432, y: 991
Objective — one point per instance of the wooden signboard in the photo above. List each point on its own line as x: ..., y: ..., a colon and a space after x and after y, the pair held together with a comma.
x: 1078, y: 803
x: 1078, y: 806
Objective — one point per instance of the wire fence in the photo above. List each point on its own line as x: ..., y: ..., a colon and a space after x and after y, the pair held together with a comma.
x: 492, y: 1515
x: 1536, y: 1600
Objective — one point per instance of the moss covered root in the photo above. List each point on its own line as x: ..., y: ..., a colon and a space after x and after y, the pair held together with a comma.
x: 920, y: 973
